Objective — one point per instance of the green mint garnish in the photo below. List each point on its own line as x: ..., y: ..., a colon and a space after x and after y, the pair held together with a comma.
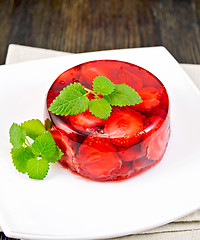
x: 73, y: 98
x: 33, y: 159
x: 100, y: 108
x: 37, y: 168
x: 17, y: 135
x: 33, y: 128
x: 56, y: 156
x: 20, y: 157
x: 103, y: 85
x: 44, y: 145
x: 123, y: 95
x: 71, y: 101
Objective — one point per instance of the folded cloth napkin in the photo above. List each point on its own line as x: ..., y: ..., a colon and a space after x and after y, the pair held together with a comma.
x: 19, y: 53
x: 182, y: 229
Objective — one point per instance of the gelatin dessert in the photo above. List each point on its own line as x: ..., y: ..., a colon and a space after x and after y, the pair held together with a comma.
x: 130, y: 141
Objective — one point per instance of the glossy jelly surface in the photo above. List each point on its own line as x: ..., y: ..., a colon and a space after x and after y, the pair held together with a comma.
x: 132, y: 140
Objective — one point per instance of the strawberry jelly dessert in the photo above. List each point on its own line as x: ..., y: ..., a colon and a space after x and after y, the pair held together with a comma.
x: 130, y: 141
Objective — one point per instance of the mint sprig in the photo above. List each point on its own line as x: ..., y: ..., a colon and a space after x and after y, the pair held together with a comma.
x: 73, y: 98
x: 33, y: 159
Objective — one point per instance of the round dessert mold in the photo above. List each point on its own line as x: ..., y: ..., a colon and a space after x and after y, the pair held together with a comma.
x: 132, y: 140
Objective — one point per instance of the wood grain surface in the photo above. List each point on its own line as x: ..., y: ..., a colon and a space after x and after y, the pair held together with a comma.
x: 91, y: 25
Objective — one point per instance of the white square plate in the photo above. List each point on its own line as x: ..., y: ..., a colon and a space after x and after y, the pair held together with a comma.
x: 66, y: 206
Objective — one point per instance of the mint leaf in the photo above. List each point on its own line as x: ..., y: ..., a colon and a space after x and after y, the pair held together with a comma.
x: 103, y: 85
x: 100, y: 108
x: 57, y: 156
x: 44, y: 145
x: 17, y: 135
x: 70, y: 101
x: 33, y: 159
x: 20, y: 157
x: 123, y: 95
x: 33, y: 128
x: 37, y: 168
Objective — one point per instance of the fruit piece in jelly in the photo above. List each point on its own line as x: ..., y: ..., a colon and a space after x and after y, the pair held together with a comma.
x: 62, y: 123
x: 151, y: 125
x: 124, y: 127
x: 63, y: 142
x: 124, y: 172
x: 142, y: 164
x: 150, y: 97
x: 155, y: 145
x: 86, y: 122
x: 121, y: 73
x: 129, y: 154
x: 97, y: 159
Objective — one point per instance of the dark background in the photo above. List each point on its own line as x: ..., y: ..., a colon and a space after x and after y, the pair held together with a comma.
x: 91, y: 25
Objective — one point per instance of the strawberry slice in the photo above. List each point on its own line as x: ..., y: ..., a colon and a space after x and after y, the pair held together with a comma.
x: 130, y: 153
x: 86, y: 122
x: 154, y: 119
x: 164, y: 101
x: 63, y: 142
x: 150, y: 97
x: 62, y: 124
x: 97, y: 159
x: 124, y: 73
x: 151, y: 125
x: 91, y: 70
x: 149, y: 80
x: 142, y: 163
x: 118, y: 72
x: 124, y: 172
x: 156, y: 144
x: 124, y: 128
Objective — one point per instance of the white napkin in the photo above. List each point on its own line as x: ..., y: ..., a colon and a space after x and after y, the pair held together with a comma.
x: 182, y: 229
x: 19, y: 53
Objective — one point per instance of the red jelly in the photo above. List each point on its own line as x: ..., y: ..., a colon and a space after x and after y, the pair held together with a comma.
x: 132, y: 140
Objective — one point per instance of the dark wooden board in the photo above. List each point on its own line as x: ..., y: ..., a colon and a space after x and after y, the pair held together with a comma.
x: 90, y: 25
